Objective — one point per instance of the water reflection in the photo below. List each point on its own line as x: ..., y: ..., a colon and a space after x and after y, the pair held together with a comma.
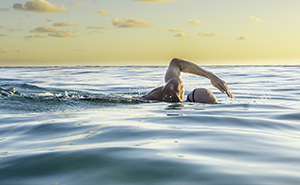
x: 174, y: 114
x: 172, y: 109
x: 174, y: 106
x: 94, y: 131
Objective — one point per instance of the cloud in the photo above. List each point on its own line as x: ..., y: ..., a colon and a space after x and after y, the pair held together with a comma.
x: 95, y: 31
x: 2, y: 35
x: 4, y: 9
x: 53, y: 32
x: 129, y: 22
x: 98, y: 27
x: 180, y: 35
x: 12, y: 30
x: 39, y: 36
x: 62, y: 33
x: 208, y: 34
x: 28, y: 37
x: 103, y: 12
x: 76, y: 4
x: 255, y: 19
x: 194, y: 22
x: 174, y: 30
x: 1, y: 27
x: 45, y: 30
x: 156, y: 1
x: 33, y: 36
x: 40, y: 6
x: 242, y: 38
x: 64, y: 24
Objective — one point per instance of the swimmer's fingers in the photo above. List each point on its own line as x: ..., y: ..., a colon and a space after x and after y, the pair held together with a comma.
x: 229, y: 94
x: 221, y: 85
x: 223, y: 88
x: 227, y: 91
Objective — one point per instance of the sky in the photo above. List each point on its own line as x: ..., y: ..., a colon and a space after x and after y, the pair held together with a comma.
x: 149, y: 32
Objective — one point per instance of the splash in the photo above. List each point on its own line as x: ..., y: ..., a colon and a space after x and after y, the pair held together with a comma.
x: 8, y: 92
x: 57, y: 100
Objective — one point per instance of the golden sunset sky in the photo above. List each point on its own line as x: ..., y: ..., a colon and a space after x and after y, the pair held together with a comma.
x: 149, y: 32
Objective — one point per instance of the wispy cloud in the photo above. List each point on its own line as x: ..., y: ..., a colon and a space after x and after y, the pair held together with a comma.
x: 129, y: 22
x: 53, y: 32
x: 64, y: 24
x: 103, y: 12
x: 39, y: 36
x: 194, y: 22
x: 28, y: 37
x: 174, y: 30
x: 13, y: 30
x: 96, y: 31
x: 44, y: 30
x: 180, y: 35
x: 209, y: 34
x: 255, y: 19
x: 40, y: 6
x: 61, y: 34
x: 242, y: 38
x: 156, y: 1
x: 4, y: 9
x: 76, y: 4
x: 34, y: 36
x: 98, y: 27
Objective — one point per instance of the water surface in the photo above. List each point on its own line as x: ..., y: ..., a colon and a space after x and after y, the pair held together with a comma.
x: 80, y: 125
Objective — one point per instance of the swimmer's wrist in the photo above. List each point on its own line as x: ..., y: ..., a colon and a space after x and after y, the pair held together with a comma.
x: 210, y: 75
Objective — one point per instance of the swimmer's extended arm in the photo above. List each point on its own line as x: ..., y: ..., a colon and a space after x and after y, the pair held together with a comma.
x: 178, y: 65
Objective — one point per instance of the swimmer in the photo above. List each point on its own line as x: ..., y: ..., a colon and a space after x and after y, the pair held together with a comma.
x: 173, y: 90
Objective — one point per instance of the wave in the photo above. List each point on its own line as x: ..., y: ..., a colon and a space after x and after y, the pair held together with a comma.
x: 8, y: 92
x: 13, y: 100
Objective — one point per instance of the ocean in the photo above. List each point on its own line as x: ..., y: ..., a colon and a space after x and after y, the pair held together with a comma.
x: 83, y: 125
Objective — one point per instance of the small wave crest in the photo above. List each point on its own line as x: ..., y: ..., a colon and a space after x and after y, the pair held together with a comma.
x: 100, y: 98
x: 14, y: 101
x: 8, y: 92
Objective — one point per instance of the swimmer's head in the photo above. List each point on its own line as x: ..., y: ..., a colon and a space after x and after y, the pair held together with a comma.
x: 202, y: 95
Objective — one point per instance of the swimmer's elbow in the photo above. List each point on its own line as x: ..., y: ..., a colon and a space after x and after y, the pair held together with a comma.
x: 175, y: 61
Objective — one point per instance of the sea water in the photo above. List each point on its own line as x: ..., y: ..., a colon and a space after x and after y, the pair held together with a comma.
x: 83, y: 125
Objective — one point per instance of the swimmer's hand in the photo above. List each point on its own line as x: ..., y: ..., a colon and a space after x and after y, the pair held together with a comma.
x: 220, y: 84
